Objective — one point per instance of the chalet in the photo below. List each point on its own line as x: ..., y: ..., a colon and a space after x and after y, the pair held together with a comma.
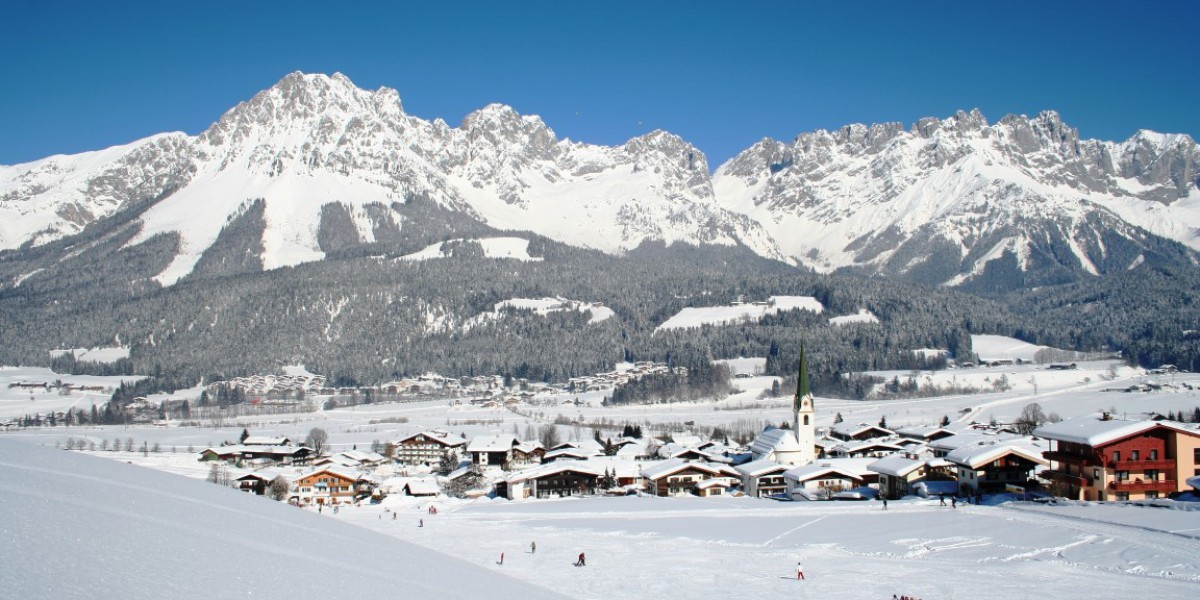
x: 528, y: 453
x: 717, y: 486
x: 285, y: 455
x: 677, y: 477
x: 822, y: 479
x: 492, y: 450
x: 924, y: 434
x: 427, y: 448
x: 899, y: 472
x: 990, y: 468
x: 868, y: 449
x: 859, y: 433
x: 558, y: 480
x: 567, y: 453
x: 259, y: 440
x: 694, y: 454
x: 420, y: 487
x: 762, y: 478
x: 1097, y: 457
x: 331, y: 486
x: 253, y: 483
x: 352, y: 459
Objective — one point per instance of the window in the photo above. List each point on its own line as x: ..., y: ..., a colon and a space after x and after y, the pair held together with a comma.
x: 1133, y: 455
x: 1122, y: 496
x: 1151, y: 495
x: 1154, y: 454
x: 1095, y: 473
x: 1116, y: 456
x: 806, y: 419
x: 1151, y: 474
x: 1122, y: 475
x: 1196, y: 455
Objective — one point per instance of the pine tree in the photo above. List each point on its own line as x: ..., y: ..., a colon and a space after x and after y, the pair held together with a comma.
x: 883, y: 422
x: 945, y: 421
x: 245, y: 434
x: 837, y: 418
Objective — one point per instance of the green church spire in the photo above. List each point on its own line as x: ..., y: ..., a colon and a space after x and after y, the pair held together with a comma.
x: 802, y: 388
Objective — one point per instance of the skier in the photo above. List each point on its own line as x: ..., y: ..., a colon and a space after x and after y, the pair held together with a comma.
x: 942, y: 499
x: 533, y: 547
x: 954, y: 502
x: 501, y: 558
x: 885, y: 504
x: 421, y: 523
x: 799, y: 570
x: 582, y: 562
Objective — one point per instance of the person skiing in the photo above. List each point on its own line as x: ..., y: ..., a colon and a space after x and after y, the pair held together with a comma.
x: 501, y: 558
x: 954, y: 502
x: 885, y: 504
x: 533, y: 547
x: 942, y: 499
x: 582, y: 562
x: 420, y: 522
x: 799, y: 570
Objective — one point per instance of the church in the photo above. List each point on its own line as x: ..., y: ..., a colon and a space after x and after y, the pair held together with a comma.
x: 795, y: 447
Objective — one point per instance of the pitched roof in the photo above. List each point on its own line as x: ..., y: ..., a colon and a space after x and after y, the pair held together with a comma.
x: 849, y: 430
x: 820, y: 470
x: 760, y: 467
x: 445, y: 440
x: 1093, y: 429
x: 554, y: 469
x: 896, y: 465
x: 492, y: 443
x: 675, y: 465
x: 981, y: 454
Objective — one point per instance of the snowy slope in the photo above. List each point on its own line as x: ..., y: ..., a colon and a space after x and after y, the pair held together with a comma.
x: 76, y: 526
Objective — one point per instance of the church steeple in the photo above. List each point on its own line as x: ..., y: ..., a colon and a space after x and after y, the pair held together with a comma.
x: 804, y: 412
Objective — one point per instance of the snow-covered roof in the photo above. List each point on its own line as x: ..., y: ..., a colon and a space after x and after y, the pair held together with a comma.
x: 759, y: 468
x: 445, y: 440
x: 820, y: 470
x: 923, y: 432
x: 773, y: 439
x: 492, y: 443
x: 425, y: 486
x: 850, y: 430
x: 528, y: 447
x: 571, y: 452
x: 896, y: 465
x: 723, y: 482
x: 553, y: 469
x: 669, y: 467
x: 1095, y: 430
x: 977, y: 455
x: 868, y: 444
x: 259, y: 440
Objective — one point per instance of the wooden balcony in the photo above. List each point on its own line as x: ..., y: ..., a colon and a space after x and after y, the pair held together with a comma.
x: 1089, y: 460
x: 1066, y: 478
x: 1137, y: 485
x: 1142, y: 465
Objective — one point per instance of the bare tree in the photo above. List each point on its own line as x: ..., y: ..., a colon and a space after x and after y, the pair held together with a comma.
x: 1031, y: 418
x: 318, y: 440
x: 279, y: 488
x: 549, y: 436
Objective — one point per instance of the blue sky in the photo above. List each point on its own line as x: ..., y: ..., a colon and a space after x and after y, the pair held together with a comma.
x: 88, y: 75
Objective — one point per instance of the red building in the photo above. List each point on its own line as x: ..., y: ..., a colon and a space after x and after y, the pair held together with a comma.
x: 1097, y: 457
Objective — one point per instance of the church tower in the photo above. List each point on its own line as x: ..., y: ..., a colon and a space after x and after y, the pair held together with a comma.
x: 805, y: 414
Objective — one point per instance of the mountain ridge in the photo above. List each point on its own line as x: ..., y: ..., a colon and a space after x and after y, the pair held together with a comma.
x: 939, y: 202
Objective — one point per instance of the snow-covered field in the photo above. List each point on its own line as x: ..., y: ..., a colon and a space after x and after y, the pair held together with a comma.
x: 721, y: 315
x: 636, y: 546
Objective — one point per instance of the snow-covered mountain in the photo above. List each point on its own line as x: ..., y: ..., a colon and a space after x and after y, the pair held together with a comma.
x: 949, y: 200
x: 314, y: 155
x: 314, y: 164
